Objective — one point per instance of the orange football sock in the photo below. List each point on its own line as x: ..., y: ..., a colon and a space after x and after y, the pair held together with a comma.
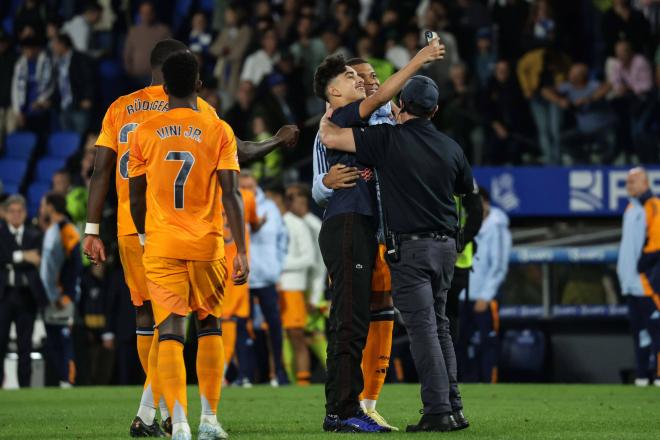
x: 152, y: 372
x: 210, y: 366
x: 172, y: 376
x: 144, y: 337
x: 376, y: 358
x: 303, y: 377
x: 229, y: 338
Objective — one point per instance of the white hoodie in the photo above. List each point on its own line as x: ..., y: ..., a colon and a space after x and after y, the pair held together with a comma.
x: 300, y: 254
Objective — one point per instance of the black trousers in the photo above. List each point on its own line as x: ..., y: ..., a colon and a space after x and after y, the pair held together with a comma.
x: 348, y: 245
x: 18, y: 306
x: 459, y: 282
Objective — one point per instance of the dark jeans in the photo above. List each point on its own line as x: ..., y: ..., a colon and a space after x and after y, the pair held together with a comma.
x: 348, y: 245
x: 459, y: 281
x: 479, y: 343
x: 420, y: 282
x: 269, y: 301
x: 645, y: 331
x: 18, y: 306
x: 59, y: 349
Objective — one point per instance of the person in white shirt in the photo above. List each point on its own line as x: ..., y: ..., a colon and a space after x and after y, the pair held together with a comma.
x: 81, y: 27
x: 293, y: 283
x: 260, y: 63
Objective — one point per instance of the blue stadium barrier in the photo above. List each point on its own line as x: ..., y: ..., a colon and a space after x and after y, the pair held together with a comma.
x: 35, y: 192
x: 9, y: 188
x: 13, y: 170
x: 20, y: 145
x: 63, y: 144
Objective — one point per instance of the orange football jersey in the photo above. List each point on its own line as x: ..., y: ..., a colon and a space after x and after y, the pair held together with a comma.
x: 180, y: 152
x: 120, y: 121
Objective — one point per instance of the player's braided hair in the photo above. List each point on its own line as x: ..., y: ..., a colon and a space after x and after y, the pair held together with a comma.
x: 180, y: 72
x: 328, y: 70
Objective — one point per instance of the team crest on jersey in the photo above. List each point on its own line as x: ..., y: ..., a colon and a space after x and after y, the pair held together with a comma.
x: 367, y: 174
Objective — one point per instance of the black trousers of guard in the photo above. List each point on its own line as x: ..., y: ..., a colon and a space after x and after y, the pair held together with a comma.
x: 348, y: 245
x: 459, y: 281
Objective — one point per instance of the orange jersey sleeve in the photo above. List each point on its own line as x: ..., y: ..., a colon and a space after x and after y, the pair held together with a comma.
x: 180, y: 151
x: 108, y: 135
x: 228, y: 159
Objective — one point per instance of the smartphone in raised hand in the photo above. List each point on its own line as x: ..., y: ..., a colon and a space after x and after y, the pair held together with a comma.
x: 432, y: 36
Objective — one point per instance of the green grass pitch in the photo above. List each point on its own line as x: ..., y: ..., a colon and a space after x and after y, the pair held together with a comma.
x: 508, y: 412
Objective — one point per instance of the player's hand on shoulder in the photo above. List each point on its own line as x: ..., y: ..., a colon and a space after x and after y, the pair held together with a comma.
x: 341, y: 176
x: 289, y: 135
x: 241, y: 269
x: 94, y: 249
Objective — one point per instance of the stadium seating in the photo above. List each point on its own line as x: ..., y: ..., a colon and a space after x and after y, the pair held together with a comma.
x: 35, y: 192
x: 12, y: 171
x: 63, y: 144
x: 20, y: 145
x: 46, y: 168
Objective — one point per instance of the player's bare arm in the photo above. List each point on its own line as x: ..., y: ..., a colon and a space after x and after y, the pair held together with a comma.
x: 336, y: 138
x: 104, y: 167
x: 434, y: 51
x: 232, y: 201
x: 286, y: 136
x: 138, y: 195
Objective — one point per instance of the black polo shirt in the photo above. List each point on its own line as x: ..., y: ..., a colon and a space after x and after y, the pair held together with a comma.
x: 359, y: 199
x: 419, y: 169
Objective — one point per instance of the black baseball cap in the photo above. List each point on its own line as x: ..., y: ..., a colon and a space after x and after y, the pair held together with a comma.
x: 420, y: 94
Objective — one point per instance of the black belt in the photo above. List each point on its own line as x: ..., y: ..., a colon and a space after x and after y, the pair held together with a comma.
x: 440, y: 236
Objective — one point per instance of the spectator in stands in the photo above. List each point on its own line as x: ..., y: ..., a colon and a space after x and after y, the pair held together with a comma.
x: 593, y: 115
x: 333, y: 44
x: 230, y: 47
x: 199, y: 39
x: 21, y: 291
x: 61, y: 266
x: 470, y: 16
x: 81, y: 27
x: 140, y: 40
x: 239, y: 116
x: 507, y: 120
x: 76, y: 196
x: 75, y: 85
x: 638, y: 220
x: 539, y: 70
x: 479, y: 315
x: 308, y: 52
x: 293, y: 285
x: 32, y: 87
x: 510, y: 17
x: 400, y: 54
x: 268, y: 248
x: 486, y: 57
x: 459, y: 114
x: 261, y: 63
x: 7, y: 61
x: 366, y: 50
x: 621, y: 22
x: 286, y: 24
x: 30, y: 20
x: 347, y: 27
x: 541, y: 26
x: 631, y: 77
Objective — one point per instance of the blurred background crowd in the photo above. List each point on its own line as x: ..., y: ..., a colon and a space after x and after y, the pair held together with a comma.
x: 524, y: 82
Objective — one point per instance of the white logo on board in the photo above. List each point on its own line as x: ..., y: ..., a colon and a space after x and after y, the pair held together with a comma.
x: 503, y: 192
x: 586, y: 191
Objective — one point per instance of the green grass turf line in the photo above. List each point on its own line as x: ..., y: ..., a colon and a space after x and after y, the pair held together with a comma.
x: 525, y: 412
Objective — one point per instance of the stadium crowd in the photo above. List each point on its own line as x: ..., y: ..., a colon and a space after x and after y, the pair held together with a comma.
x: 539, y: 82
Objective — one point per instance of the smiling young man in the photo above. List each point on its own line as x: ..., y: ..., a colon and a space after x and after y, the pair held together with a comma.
x: 348, y: 239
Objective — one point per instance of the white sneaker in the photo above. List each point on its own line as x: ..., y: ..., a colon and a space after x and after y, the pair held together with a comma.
x: 656, y: 383
x: 246, y: 383
x: 641, y: 382
x: 209, y: 431
x: 65, y: 385
x: 274, y: 383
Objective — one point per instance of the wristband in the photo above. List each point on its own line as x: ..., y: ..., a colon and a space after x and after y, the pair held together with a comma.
x: 142, y: 238
x: 92, y: 229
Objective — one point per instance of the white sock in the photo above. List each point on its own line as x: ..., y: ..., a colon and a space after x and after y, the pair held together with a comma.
x: 211, y: 419
x: 368, y: 404
x: 180, y: 426
x: 147, y: 414
x: 164, y: 412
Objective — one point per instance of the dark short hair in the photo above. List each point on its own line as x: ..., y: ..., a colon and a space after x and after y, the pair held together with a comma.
x: 63, y: 171
x: 65, y: 39
x: 485, y: 195
x: 302, y: 189
x: 57, y: 201
x: 163, y: 49
x: 416, y: 110
x: 329, y: 69
x: 93, y: 6
x: 356, y: 62
x: 180, y: 72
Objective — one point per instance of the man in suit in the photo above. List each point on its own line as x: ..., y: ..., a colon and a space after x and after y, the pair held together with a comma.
x: 75, y: 84
x: 21, y: 291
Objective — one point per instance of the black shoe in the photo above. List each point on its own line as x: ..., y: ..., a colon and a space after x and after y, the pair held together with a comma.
x: 167, y: 426
x: 141, y: 429
x: 434, y: 423
x: 460, y: 420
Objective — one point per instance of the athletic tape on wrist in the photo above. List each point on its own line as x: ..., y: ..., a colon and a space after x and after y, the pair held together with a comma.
x: 92, y: 229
